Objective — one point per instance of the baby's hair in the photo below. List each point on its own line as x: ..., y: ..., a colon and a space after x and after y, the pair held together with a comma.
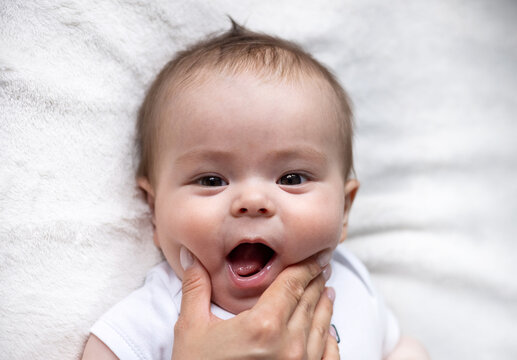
x: 235, y: 51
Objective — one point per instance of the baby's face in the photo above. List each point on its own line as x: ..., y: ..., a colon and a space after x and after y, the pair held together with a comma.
x: 249, y: 179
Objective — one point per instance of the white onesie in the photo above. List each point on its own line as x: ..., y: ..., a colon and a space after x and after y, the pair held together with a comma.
x: 141, y: 326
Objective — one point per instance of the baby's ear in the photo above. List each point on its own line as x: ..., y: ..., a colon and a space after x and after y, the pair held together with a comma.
x: 145, y: 185
x: 147, y: 188
x: 351, y: 187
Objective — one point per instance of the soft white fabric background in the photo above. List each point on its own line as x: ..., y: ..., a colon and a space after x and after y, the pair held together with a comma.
x: 434, y: 85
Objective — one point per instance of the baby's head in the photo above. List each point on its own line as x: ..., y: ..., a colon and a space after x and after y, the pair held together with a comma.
x: 246, y: 152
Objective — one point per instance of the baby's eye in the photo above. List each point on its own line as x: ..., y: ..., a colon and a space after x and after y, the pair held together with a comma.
x: 211, y: 181
x: 292, y: 179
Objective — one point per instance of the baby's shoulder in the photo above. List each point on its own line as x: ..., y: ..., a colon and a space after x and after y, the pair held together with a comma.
x: 158, y: 295
x: 347, y: 267
x: 360, y: 309
x: 143, y: 322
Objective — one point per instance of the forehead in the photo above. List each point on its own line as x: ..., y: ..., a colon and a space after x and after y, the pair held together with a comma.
x: 247, y: 114
x: 237, y: 104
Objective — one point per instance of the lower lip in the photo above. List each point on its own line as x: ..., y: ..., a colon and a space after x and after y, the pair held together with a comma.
x: 254, y: 281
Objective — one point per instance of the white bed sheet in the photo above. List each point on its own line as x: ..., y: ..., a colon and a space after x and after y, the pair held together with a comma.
x: 434, y: 89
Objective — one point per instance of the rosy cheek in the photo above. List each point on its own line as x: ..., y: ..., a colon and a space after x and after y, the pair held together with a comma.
x: 192, y: 226
x: 315, y: 226
x: 197, y: 227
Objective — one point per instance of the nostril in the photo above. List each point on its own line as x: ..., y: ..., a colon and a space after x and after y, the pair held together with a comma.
x: 262, y: 210
x: 243, y: 210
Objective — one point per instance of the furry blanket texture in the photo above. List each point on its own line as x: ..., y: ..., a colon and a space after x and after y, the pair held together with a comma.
x: 434, y: 85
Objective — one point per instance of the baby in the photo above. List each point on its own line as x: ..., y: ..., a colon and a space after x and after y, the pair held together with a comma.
x: 246, y: 161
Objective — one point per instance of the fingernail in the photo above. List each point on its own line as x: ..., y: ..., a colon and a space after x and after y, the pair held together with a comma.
x: 327, y: 271
x: 333, y: 333
x: 324, y: 258
x: 186, y: 258
x: 331, y: 294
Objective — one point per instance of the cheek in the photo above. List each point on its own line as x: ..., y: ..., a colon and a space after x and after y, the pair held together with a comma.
x: 193, y: 227
x: 317, y: 224
x: 189, y: 222
x: 186, y: 217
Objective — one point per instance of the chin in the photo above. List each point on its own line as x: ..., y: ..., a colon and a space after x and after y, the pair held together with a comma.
x: 236, y: 306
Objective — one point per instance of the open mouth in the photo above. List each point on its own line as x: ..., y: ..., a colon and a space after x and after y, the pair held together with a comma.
x: 248, y: 259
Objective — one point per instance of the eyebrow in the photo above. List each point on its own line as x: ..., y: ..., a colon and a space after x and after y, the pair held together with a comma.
x: 287, y: 154
x: 208, y: 155
x: 302, y: 152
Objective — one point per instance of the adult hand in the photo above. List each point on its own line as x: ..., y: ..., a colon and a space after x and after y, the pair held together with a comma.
x: 291, y: 319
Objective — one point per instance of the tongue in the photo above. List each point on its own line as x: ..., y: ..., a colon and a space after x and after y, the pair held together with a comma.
x: 248, y: 259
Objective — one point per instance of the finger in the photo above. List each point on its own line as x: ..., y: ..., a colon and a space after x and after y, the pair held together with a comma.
x: 196, y: 288
x: 331, y: 349
x: 281, y: 298
x: 319, y: 333
x: 302, y: 317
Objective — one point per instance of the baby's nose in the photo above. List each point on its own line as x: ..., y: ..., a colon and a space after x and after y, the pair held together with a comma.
x: 253, y: 202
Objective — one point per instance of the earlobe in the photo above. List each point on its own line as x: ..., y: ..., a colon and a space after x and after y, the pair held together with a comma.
x: 351, y: 187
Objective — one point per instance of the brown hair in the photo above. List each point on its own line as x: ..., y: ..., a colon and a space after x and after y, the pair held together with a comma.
x: 235, y: 51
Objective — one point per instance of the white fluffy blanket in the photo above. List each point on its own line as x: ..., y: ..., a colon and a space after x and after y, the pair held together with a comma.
x: 434, y: 85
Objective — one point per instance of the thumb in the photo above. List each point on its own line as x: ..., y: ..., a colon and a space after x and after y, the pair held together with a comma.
x: 196, y: 288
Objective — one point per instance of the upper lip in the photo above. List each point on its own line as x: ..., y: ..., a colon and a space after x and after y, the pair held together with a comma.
x: 253, y: 240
